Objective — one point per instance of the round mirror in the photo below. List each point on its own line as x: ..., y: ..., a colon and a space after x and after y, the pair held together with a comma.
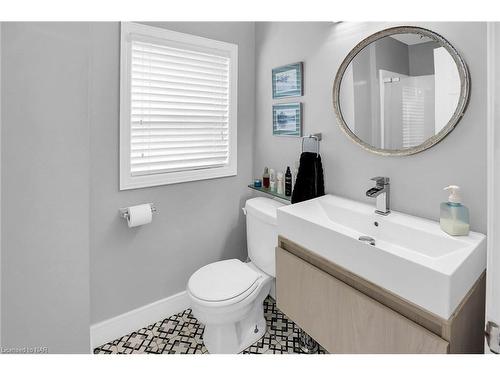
x: 400, y: 91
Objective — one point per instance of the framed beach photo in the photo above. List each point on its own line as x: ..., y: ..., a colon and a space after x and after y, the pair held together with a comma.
x: 287, y: 119
x: 287, y: 81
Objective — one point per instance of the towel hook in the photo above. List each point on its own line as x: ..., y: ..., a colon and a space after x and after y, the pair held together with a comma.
x: 317, y: 137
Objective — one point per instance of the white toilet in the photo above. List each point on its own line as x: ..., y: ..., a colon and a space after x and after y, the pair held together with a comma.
x: 228, y: 296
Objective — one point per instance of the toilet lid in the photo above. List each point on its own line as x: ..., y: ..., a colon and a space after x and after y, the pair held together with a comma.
x: 222, y: 280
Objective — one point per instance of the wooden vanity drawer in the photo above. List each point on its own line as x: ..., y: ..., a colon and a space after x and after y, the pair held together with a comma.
x: 342, y: 319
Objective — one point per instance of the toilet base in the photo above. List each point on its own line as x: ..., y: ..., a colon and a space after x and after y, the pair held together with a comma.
x: 224, y: 340
x: 235, y: 337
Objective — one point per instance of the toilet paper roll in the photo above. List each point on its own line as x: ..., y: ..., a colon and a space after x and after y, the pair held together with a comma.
x: 139, y: 215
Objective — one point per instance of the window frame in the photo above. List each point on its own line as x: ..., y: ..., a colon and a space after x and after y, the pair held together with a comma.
x: 127, y: 180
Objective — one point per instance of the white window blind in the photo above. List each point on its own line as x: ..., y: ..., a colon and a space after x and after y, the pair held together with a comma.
x: 413, y: 116
x: 179, y: 114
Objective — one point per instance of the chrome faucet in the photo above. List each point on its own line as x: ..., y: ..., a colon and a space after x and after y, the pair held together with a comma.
x: 381, y: 191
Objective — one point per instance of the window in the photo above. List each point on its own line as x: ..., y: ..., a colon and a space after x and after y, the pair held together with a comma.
x: 177, y: 107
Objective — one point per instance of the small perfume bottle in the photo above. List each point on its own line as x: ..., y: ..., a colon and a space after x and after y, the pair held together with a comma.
x: 265, y: 178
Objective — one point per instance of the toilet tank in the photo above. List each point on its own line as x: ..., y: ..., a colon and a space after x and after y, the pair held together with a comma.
x: 262, y: 234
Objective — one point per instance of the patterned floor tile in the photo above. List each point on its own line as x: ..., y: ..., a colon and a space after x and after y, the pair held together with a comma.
x: 261, y: 346
x: 183, y: 334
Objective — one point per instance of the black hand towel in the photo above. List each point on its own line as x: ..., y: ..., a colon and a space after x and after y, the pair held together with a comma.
x: 310, y: 183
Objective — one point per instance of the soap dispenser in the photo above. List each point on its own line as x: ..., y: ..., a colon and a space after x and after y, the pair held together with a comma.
x: 454, y: 217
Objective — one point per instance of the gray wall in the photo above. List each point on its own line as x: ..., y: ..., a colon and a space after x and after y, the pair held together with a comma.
x: 422, y: 58
x: 45, y: 186
x: 392, y: 55
x: 199, y: 222
x: 417, y: 180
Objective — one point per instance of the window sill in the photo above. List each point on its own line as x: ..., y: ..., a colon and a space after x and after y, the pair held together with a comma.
x: 137, y: 182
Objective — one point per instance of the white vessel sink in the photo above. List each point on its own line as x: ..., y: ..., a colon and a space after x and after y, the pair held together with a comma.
x: 412, y: 257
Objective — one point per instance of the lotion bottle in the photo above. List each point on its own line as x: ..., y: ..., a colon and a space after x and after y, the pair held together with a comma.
x: 454, y: 218
x: 272, y: 180
x: 279, y: 183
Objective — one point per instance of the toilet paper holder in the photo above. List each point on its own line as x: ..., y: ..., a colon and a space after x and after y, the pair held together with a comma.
x: 124, y: 211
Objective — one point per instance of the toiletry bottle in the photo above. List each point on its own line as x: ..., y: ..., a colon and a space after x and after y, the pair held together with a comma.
x: 265, y: 178
x: 272, y: 180
x: 454, y: 217
x: 288, y: 182
x: 279, y: 183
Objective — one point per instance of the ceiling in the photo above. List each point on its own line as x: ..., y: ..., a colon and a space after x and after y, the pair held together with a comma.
x: 411, y: 39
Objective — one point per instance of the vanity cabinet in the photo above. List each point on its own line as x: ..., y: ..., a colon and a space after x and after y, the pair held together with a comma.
x: 348, y: 314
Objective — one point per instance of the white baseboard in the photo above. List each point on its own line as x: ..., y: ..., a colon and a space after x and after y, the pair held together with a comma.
x: 111, y: 329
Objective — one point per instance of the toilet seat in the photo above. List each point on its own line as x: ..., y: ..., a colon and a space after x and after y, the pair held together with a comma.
x: 223, y: 283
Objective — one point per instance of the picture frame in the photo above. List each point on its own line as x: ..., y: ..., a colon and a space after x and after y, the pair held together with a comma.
x: 287, y: 119
x: 288, y: 81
